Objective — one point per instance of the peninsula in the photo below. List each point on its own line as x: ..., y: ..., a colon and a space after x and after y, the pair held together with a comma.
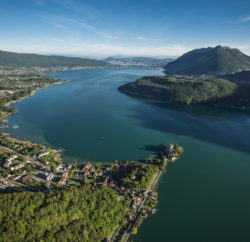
x: 42, y: 198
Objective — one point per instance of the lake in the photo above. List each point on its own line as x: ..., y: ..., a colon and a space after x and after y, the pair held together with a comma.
x: 204, y: 196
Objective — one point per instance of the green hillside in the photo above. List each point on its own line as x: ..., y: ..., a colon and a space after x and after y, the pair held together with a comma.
x: 190, y: 91
x: 218, y: 60
x: 171, y: 89
x: 16, y: 60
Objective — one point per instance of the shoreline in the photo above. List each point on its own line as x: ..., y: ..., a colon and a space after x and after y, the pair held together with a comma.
x: 212, y: 105
x: 43, y: 71
x: 24, y: 97
x: 146, y: 198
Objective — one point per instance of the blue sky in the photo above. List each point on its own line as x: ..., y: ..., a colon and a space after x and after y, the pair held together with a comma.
x: 100, y: 28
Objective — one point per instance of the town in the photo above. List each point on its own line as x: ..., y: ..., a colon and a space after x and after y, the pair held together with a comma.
x: 34, y: 167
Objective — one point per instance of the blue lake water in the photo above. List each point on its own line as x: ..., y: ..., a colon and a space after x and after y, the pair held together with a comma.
x: 204, y: 196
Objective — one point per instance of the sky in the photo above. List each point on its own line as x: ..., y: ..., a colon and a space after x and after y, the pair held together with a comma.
x: 101, y: 28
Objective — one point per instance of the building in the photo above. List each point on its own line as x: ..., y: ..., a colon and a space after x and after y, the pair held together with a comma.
x: 86, y: 167
x: 43, y: 153
x: 9, y: 160
x: 27, y: 177
x: 49, y: 177
x: 44, y: 161
x: 64, y: 178
x: 21, y: 165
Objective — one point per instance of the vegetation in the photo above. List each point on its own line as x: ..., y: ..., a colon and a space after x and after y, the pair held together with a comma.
x: 140, y: 177
x: 77, y: 213
x: 88, y: 202
x: 218, y: 60
x: 15, y: 60
x: 202, y: 76
x: 178, y: 90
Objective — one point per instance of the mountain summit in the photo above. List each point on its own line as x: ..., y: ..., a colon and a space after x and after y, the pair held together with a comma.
x: 218, y: 60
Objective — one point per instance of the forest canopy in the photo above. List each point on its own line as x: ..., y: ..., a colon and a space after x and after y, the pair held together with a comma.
x: 83, y: 213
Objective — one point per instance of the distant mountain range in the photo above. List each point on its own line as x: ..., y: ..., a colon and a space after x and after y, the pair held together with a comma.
x: 16, y: 60
x: 138, y: 61
x: 215, y: 61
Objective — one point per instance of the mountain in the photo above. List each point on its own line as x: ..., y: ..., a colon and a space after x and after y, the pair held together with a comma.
x: 139, y: 61
x: 16, y: 60
x: 218, y: 60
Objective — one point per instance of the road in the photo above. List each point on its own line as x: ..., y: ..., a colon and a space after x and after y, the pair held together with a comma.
x: 152, y: 186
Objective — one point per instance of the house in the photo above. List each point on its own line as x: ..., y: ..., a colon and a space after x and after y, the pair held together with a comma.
x: 21, y: 165
x: 27, y: 177
x: 49, y: 177
x: 64, y: 178
x: 173, y: 158
x: 170, y: 148
x: 47, y: 185
x: 86, y: 167
x: 16, y: 177
x: 98, y: 173
x: 44, y: 161
x: 9, y: 160
x: 43, y: 153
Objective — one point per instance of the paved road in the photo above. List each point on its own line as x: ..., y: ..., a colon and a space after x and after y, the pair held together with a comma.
x: 143, y: 204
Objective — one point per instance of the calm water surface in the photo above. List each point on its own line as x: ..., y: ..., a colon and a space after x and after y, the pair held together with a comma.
x: 204, y: 196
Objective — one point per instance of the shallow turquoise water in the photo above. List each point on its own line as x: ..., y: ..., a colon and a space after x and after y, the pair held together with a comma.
x: 204, y: 196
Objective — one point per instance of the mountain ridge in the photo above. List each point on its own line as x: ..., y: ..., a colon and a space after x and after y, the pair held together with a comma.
x: 215, y: 61
x: 17, y: 60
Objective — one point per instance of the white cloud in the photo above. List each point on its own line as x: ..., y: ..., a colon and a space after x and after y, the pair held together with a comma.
x: 77, y: 22
x: 108, y: 36
x: 60, y: 26
x: 141, y: 38
x: 244, y: 19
